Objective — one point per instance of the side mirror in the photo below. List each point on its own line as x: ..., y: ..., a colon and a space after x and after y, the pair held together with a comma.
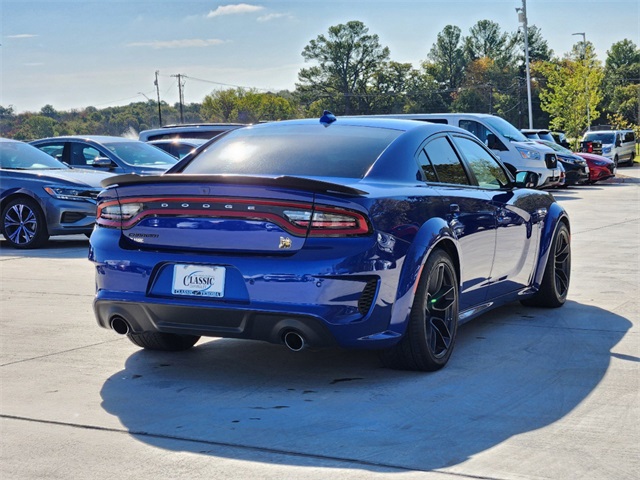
x: 527, y: 179
x: 102, y: 162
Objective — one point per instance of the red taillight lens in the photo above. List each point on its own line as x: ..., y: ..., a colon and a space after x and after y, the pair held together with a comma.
x: 325, y: 221
x: 113, y: 214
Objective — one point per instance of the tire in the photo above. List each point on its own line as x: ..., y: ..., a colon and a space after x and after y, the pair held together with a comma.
x: 615, y: 161
x: 165, y: 342
x: 23, y: 224
x: 557, y: 273
x: 433, y: 321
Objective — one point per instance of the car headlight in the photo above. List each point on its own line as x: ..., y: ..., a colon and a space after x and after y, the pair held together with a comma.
x: 73, y: 193
x: 528, y: 154
x: 606, y: 149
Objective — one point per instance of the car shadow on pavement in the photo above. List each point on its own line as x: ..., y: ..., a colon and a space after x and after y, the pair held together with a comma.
x: 514, y: 370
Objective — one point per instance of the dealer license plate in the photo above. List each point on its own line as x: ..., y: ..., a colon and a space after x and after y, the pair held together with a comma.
x: 198, y: 280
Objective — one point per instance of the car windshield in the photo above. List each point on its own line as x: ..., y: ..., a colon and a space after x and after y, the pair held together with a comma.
x: 505, y: 129
x: 22, y: 156
x: 555, y: 147
x: 604, y: 137
x: 305, y: 150
x: 139, y: 153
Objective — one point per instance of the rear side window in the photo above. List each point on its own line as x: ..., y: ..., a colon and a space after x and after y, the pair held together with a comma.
x: 306, y: 150
x: 629, y: 137
x: 445, y: 161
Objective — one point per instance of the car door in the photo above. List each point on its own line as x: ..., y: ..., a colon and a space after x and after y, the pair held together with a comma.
x: 469, y: 213
x: 517, y: 227
x: 57, y: 149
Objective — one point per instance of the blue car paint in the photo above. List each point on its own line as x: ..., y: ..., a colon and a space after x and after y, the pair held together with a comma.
x: 325, y: 276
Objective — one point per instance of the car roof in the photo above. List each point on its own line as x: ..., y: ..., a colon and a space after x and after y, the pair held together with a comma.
x: 381, y: 121
x: 104, y: 139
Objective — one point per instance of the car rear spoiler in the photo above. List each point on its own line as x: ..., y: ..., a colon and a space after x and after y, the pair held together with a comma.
x: 287, y: 181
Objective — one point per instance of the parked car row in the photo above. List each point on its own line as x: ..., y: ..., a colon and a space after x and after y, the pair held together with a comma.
x: 36, y: 201
x: 581, y: 167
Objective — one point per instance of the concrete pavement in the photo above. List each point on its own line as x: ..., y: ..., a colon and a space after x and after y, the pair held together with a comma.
x: 528, y: 394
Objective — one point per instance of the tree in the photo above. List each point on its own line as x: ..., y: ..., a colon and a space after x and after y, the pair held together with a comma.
x: 570, y: 84
x: 447, y: 57
x: 621, y: 83
x: 348, y: 59
x: 219, y: 106
x: 487, y: 40
x: 36, y: 126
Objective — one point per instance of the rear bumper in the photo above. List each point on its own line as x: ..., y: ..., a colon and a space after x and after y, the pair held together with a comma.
x: 329, y: 298
x: 189, y: 320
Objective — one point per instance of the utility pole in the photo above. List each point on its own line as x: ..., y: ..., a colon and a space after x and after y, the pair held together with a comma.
x: 180, y: 94
x: 158, y: 92
x: 586, y: 82
x: 522, y: 18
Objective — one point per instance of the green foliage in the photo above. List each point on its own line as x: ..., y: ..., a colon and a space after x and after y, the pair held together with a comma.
x: 348, y: 59
x: 571, y: 86
x: 246, y: 106
x: 352, y: 73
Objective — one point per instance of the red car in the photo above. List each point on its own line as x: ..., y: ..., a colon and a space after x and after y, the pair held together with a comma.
x: 600, y: 168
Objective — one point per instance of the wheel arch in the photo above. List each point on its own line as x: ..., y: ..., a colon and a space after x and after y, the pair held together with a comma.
x: 556, y: 215
x: 435, y: 233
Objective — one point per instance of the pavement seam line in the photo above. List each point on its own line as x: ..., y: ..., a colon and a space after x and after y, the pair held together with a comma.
x: 59, y: 353
x: 626, y: 222
x: 239, y: 446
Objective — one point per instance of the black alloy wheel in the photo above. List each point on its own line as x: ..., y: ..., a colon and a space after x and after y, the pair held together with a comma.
x: 433, y: 322
x: 557, y: 275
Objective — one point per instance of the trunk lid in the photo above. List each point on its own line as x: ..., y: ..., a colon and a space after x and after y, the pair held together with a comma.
x: 225, y: 213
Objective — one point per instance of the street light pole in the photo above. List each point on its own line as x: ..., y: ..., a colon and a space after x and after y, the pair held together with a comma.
x: 522, y: 18
x: 586, y: 82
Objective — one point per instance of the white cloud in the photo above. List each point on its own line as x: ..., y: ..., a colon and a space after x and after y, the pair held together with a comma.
x: 234, y: 10
x: 22, y: 35
x: 187, y: 43
x: 273, y: 16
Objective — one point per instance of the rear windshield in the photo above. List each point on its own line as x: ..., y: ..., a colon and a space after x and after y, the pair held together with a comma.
x: 140, y: 153
x: 304, y: 150
x: 607, y: 137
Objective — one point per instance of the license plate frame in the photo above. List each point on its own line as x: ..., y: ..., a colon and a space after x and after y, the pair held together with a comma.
x: 198, y: 281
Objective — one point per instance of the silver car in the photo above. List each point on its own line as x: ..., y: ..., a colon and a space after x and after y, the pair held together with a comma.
x: 41, y: 197
x: 105, y: 153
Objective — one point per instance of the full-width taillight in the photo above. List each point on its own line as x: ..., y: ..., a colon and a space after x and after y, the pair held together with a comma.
x: 300, y: 219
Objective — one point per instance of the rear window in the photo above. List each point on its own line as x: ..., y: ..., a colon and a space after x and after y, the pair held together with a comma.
x: 304, y: 150
x: 607, y: 137
x: 139, y: 153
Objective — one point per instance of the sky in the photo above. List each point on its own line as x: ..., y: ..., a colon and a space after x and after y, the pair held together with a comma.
x: 77, y: 53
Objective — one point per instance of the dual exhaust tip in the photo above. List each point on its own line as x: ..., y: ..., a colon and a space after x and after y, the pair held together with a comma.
x: 292, y: 339
x: 120, y: 325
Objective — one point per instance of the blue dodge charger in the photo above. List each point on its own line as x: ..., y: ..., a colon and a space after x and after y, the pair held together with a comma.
x: 355, y: 232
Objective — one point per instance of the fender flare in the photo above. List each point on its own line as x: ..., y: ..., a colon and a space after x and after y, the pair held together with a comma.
x: 435, y: 232
x: 555, y: 215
